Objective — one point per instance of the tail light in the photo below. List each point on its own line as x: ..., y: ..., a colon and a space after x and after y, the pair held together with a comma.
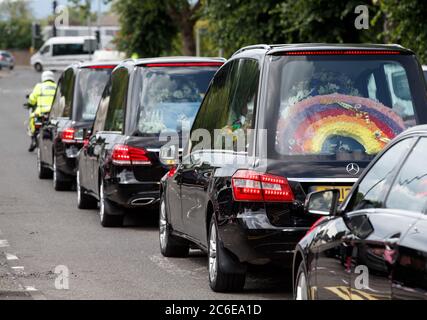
x: 124, y: 155
x: 172, y: 172
x: 67, y: 136
x: 254, y: 186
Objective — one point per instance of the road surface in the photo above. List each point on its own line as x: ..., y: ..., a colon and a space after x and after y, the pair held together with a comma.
x: 42, y: 231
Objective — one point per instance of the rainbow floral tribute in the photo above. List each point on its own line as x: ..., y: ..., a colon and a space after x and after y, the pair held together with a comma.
x: 305, y: 126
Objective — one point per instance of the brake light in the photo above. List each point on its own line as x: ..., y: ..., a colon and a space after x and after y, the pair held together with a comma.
x: 171, y: 172
x: 250, y: 185
x: 124, y: 155
x: 102, y: 67
x: 67, y: 136
x: 341, y: 52
x: 184, y: 64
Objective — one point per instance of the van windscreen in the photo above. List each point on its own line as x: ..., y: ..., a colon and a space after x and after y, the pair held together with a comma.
x: 339, y: 107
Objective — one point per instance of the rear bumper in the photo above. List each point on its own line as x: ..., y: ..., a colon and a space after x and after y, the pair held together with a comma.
x: 131, y: 193
x: 251, y: 238
x: 66, y: 160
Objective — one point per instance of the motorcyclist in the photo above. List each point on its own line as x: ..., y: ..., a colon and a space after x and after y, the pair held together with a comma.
x: 40, y: 102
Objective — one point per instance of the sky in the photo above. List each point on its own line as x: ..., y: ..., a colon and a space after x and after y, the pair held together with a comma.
x: 42, y: 8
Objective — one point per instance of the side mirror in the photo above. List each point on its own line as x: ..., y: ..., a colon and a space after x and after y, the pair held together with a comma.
x: 169, y: 155
x: 323, y: 203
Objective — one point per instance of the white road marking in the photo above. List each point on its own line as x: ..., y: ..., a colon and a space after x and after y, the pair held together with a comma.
x: 30, y: 288
x: 11, y: 257
x: 18, y: 268
x: 4, y: 243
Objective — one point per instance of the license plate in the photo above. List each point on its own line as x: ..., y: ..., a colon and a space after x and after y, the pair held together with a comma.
x: 344, y: 191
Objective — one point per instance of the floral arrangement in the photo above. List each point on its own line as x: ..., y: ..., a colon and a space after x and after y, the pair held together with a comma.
x: 305, y: 126
x: 320, y: 83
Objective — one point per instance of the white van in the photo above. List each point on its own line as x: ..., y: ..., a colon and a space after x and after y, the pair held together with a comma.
x: 59, y: 52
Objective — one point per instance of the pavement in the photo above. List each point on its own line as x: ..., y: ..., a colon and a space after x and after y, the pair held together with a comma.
x: 51, y: 250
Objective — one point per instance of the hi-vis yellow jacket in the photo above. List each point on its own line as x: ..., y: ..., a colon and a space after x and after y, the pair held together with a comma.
x: 42, y: 96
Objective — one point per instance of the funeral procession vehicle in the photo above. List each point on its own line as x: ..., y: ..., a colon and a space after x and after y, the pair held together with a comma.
x: 73, y: 111
x: 373, y: 246
x: 312, y: 117
x: 119, y: 166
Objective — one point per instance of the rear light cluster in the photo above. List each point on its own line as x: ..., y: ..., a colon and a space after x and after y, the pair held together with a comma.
x: 67, y: 136
x: 124, y: 155
x: 250, y: 185
x: 72, y: 135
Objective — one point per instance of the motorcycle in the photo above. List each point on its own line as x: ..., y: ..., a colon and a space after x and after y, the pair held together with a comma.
x: 39, y: 120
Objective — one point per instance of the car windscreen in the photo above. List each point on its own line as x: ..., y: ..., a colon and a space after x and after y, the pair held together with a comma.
x: 339, y: 107
x: 89, y: 87
x: 168, y: 98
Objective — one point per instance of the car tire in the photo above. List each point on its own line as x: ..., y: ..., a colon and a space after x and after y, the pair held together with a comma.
x: 11, y: 68
x: 301, y: 291
x: 219, y: 280
x: 170, y: 245
x: 84, y: 201
x: 60, y: 183
x: 110, y: 216
x: 43, y: 172
x: 38, y: 67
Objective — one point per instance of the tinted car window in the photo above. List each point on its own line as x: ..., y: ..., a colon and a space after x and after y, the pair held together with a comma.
x: 409, y: 191
x: 215, y: 102
x: 102, y: 111
x: 64, y: 96
x: 339, y: 108
x: 68, y: 49
x: 169, y: 98
x: 89, y: 87
x: 229, y: 108
x: 118, y: 98
x: 374, y: 185
x: 56, y: 110
x: 67, y: 93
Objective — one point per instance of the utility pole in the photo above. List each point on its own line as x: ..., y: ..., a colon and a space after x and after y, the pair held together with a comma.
x: 98, y: 22
x: 55, y: 5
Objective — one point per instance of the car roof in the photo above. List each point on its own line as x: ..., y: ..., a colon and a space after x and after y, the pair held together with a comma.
x: 177, y: 59
x: 277, y: 48
x: 415, y: 130
x: 68, y: 40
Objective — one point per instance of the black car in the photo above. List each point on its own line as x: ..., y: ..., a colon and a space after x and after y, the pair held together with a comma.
x: 73, y: 111
x: 278, y: 123
x: 374, y: 246
x: 119, y: 167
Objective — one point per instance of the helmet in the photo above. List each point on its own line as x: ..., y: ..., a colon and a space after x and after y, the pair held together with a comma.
x: 48, y: 76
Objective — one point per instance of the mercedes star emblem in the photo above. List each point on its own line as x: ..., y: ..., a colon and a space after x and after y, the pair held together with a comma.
x: 353, y: 168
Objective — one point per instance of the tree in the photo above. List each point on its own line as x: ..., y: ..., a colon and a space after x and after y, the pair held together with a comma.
x: 15, y: 24
x: 150, y: 27
x: 405, y: 23
x: 331, y: 21
x: 238, y: 23
x: 146, y: 28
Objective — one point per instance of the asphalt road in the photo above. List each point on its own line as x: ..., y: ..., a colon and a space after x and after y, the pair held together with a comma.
x: 41, y: 229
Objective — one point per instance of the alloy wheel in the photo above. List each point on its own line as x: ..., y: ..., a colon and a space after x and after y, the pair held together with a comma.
x: 302, y: 287
x: 213, y: 262
x: 101, y: 201
x: 55, y: 175
x: 79, y: 193
x: 163, y: 225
